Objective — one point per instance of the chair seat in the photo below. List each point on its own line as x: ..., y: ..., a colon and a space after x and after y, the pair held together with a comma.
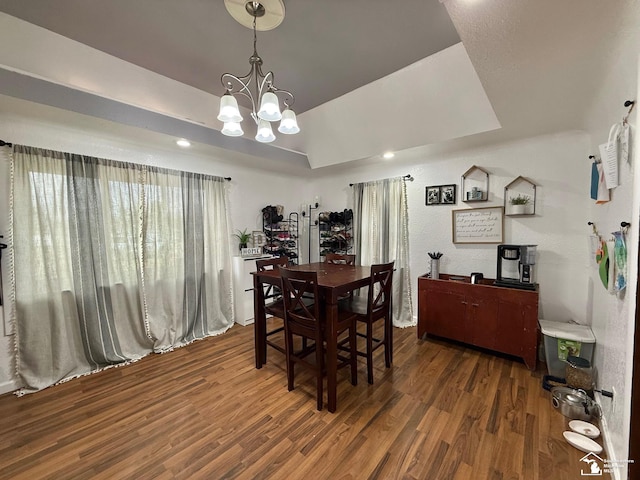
x: 276, y: 308
x: 353, y: 304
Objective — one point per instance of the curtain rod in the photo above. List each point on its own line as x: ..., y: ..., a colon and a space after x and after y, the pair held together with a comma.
x: 8, y: 144
x: 407, y: 176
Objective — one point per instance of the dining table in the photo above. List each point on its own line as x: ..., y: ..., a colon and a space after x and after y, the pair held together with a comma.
x: 334, y: 281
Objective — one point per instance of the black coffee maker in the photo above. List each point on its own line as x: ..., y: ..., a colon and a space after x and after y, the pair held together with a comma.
x: 516, y: 264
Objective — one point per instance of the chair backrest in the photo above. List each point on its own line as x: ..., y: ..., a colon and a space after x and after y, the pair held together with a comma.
x: 339, y: 258
x: 380, y: 290
x: 270, y: 264
x: 301, y: 315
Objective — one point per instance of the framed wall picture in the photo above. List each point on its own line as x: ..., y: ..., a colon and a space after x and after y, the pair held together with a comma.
x: 477, y: 225
x: 433, y: 195
x: 448, y: 194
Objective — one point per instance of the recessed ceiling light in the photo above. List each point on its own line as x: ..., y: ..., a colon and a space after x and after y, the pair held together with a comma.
x: 183, y: 142
x: 388, y: 155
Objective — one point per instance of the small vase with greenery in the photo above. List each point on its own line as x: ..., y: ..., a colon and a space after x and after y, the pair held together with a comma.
x: 519, y: 200
x: 520, y: 203
x: 243, y: 237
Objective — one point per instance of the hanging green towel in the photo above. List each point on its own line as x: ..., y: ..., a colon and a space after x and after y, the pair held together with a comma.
x: 602, y: 257
x: 620, y: 256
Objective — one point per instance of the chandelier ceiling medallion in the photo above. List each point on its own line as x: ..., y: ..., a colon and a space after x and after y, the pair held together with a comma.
x: 258, y: 87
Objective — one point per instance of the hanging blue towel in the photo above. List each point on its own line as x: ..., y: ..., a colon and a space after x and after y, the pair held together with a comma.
x: 595, y: 176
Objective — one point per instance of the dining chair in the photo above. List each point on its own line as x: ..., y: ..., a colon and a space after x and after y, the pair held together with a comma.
x: 306, y: 321
x: 273, y: 303
x: 376, y: 306
x: 339, y: 258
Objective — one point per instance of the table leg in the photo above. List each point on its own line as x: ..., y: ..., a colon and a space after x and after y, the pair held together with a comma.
x: 259, y: 323
x: 332, y: 354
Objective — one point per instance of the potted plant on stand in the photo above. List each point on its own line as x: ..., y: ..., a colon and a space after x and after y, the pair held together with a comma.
x: 243, y: 237
x: 519, y: 204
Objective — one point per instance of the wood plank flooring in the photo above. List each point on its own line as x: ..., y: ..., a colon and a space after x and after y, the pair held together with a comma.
x: 204, y: 412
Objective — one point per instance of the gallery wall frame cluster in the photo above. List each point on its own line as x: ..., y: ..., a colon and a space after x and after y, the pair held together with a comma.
x: 441, y: 195
x: 485, y: 224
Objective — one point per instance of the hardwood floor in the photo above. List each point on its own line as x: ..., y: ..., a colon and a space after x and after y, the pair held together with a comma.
x: 441, y: 412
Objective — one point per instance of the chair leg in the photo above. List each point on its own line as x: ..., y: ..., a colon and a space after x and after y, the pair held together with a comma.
x: 353, y: 352
x: 388, y: 341
x: 319, y: 374
x: 288, y: 347
x: 370, y: 353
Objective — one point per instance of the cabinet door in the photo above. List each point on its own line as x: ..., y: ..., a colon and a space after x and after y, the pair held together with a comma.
x: 510, y: 334
x: 446, y: 314
x: 483, y: 321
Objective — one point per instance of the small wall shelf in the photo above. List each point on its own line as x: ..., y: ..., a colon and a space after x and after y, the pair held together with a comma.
x: 520, y: 187
x: 474, y: 185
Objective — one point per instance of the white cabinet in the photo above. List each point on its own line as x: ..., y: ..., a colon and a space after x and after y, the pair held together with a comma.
x: 243, y: 289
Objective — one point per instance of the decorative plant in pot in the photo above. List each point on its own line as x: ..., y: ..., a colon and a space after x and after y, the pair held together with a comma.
x: 243, y: 237
x: 519, y: 204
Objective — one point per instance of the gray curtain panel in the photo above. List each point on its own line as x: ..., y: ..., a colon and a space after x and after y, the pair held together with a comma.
x: 88, y: 234
x: 381, y: 234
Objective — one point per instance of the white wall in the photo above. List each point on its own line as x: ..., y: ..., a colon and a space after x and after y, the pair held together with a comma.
x: 614, y: 315
x: 557, y: 163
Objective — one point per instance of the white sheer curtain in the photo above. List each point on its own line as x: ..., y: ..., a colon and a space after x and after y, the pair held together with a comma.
x: 188, y: 276
x: 381, y: 234
x: 86, y: 235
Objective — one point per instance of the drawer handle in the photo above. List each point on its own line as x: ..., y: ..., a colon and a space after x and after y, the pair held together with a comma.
x: 475, y: 304
x: 463, y: 303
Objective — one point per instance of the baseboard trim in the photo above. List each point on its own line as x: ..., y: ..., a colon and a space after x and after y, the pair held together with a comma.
x: 245, y: 323
x: 9, y: 386
x: 616, y: 473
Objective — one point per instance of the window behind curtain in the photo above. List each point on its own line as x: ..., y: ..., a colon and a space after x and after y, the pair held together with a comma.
x: 113, y: 260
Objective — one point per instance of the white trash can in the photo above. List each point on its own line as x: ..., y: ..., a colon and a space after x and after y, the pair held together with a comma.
x: 564, y: 339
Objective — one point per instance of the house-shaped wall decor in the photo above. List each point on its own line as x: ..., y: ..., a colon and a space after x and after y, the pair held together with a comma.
x: 520, y: 197
x: 474, y: 185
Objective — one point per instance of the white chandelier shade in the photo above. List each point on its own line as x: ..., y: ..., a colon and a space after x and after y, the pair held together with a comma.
x: 288, y: 124
x: 269, y: 108
x: 229, y: 111
x: 265, y: 133
x: 232, y: 129
x: 260, y: 89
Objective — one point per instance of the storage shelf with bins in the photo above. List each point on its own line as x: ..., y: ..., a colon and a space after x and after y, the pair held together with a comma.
x: 335, y: 230
x: 281, y: 235
x: 520, y: 190
x: 474, y: 185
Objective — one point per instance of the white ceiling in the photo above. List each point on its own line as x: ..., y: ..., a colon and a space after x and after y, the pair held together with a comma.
x: 368, y: 75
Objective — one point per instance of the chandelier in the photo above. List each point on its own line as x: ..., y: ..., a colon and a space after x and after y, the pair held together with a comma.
x: 261, y: 91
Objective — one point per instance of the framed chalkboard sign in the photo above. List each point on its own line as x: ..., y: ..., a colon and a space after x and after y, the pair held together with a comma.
x: 478, y: 225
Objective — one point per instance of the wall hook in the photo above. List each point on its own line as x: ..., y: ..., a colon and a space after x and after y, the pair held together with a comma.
x: 628, y: 103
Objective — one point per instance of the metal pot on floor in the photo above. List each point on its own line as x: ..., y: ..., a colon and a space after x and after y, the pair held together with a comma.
x: 574, y: 404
